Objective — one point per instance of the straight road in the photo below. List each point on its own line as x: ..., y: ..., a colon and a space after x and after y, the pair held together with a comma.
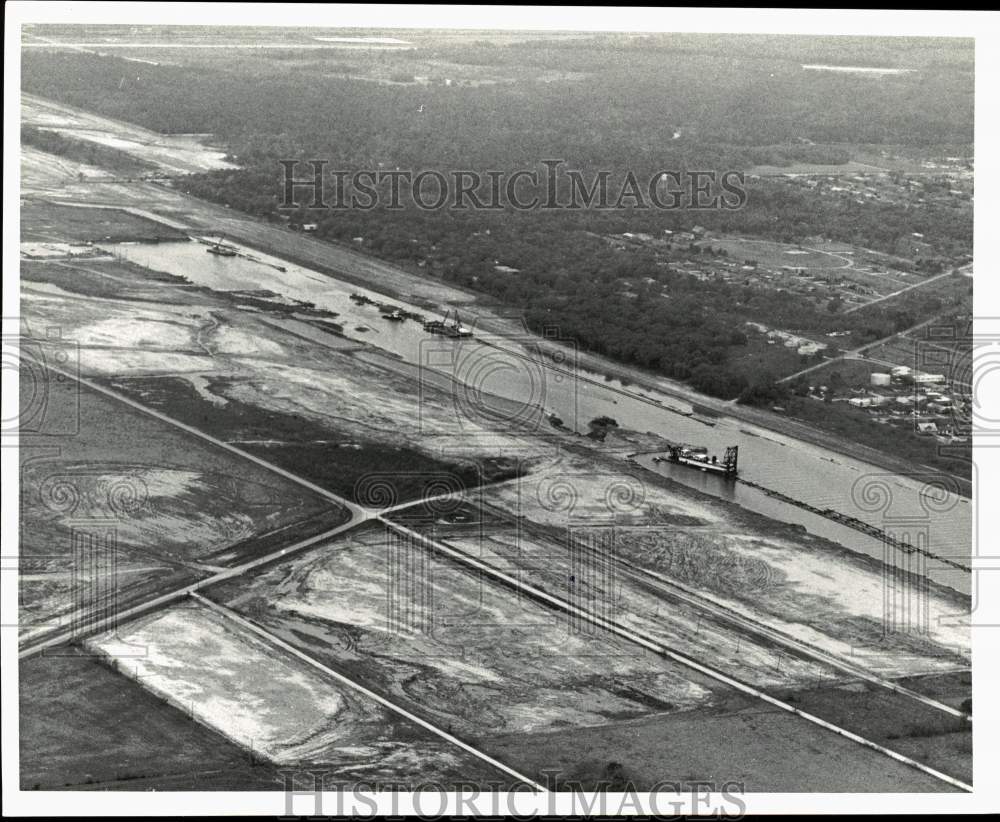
x: 658, y: 647
x: 96, y: 626
x: 270, y: 638
x: 356, y: 511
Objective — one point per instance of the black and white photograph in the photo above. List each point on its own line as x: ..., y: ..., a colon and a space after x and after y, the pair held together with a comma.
x: 499, y: 410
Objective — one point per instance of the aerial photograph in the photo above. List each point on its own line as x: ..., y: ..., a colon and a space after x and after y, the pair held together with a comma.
x: 509, y: 411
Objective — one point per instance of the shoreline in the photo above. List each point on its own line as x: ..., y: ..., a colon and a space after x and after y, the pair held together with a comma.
x: 785, y: 426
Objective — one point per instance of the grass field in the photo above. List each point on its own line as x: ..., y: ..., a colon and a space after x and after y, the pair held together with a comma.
x: 62, y: 223
x: 761, y: 749
x: 85, y: 726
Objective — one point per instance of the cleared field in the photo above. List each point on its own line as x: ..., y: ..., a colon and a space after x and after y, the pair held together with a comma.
x: 41, y: 171
x: 116, y: 506
x: 829, y: 268
x: 453, y: 647
x: 583, y: 569
x: 773, y: 254
x: 801, y: 585
x: 581, y: 565
x: 230, y: 364
x: 173, y: 154
x: 811, y: 169
x: 271, y: 704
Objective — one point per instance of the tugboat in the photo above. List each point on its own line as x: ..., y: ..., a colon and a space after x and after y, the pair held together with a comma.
x: 221, y: 250
x: 697, y: 457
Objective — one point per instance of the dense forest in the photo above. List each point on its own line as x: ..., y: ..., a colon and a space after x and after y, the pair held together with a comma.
x: 617, y: 103
x: 602, y: 103
x: 84, y: 151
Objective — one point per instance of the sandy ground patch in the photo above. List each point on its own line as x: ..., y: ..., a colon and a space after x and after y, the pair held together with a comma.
x: 804, y: 586
x: 457, y: 647
x: 246, y: 690
x: 602, y: 586
x: 41, y: 170
x: 175, y: 154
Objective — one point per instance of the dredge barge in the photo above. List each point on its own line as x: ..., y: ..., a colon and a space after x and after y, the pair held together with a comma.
x: 220, y: 249
x: 448, y: 327
x: 697, y: 457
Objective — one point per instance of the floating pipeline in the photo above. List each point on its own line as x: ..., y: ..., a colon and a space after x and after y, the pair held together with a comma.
x: 856, y: 524
x: 834, y: 516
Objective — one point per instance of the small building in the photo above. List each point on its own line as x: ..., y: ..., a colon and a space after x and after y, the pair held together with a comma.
x: 309, y: 226
x: 880, y: 379
x: 809, y: 348
x: 869, y: 401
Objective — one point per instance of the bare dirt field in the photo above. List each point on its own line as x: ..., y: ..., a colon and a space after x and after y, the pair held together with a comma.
x: 452, y: 646
x: 583, y: 570
x: 116, y: 505
x: 40, y: 170
x: 803, y: 586
x: 174, y: 154
x: 268, y: 703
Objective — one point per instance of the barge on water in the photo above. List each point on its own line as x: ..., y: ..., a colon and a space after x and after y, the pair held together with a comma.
x: 448, y: 327
x: 220, y: 249
x: 697, y: 457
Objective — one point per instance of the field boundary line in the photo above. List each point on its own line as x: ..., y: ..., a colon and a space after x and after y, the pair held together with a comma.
x: 110, y: 622
x: 266, y: 635
x: 355, y: 509
x: 694, y: 598
x: 663, y: 650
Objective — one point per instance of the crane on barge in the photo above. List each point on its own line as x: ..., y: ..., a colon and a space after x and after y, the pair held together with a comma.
x: 448, y: 327
x: 220, y: 249
x: 697, y: 457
